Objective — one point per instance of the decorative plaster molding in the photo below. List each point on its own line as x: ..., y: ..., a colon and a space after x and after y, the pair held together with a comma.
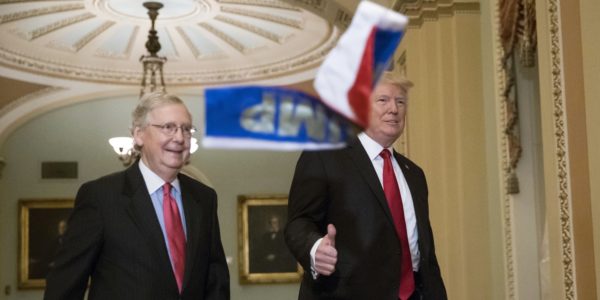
x: 30, y: 35
x: 314, y: 4
x: 284, y: 66
x: 264, y: 16
x: 94, y: 33
x: 419, y: 11
x: 83, y: 40
x: 507, y: 205
x: 101, y: 52
x: 61, y: 69
x: 40, y: 11
x: 108, y: 10
x: 560, y: 135
x: 167, y: 36
x: 329, y: 10
x: 266, y: 3
x: 195, y: 51
x: 214, y: 76
x: 342, y: 18
x: 225, y: 37
x: 17, y: 1
x: 252, y: 28
x: 26, y: 98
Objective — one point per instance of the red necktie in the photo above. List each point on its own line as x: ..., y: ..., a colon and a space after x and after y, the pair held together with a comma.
x: 175, y: 234
x: 392, y: 194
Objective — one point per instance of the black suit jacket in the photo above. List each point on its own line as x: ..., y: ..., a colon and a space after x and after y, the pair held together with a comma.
x: 341, y: 187
x: 114, y: 242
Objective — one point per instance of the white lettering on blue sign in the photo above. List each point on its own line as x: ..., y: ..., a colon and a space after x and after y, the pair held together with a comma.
x: 292, y: 114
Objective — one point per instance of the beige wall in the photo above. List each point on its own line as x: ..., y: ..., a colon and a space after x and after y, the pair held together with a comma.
x: 590, y: 23
x: 568, y: 123
x: 455, y: 132
x: 446, y: 127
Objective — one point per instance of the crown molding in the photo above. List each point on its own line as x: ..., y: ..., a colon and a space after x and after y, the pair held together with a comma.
x: 40, y: 11
x: 504, y: 157
x: 420, y: 11
x: 282, y: 67
x: 264, y: 16
x: 561, y: 150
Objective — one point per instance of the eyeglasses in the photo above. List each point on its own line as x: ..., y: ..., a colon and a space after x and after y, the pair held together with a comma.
x: 170, y: 129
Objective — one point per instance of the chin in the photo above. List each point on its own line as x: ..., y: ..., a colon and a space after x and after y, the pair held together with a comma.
x: 394, y: 132
x: 175, y: 164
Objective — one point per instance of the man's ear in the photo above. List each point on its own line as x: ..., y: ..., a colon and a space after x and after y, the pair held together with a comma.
x: 138, y: 136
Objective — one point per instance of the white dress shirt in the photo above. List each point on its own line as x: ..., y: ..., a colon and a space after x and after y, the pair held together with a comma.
x: 373, y: 150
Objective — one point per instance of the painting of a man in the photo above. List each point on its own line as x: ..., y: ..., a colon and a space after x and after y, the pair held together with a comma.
x: 46, y: 229
x: 268, y: 252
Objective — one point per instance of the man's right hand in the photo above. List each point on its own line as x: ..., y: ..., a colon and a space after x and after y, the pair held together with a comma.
x: 326, y: 255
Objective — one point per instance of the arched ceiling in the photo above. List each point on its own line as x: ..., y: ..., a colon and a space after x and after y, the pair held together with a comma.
x: 206, y: 42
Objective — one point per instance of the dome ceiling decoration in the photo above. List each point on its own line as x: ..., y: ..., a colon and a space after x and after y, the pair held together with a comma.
x: 205, y: 41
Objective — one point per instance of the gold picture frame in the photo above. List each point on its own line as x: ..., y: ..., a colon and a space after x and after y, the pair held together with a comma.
x: 263, y: 255
x: 41, y: 225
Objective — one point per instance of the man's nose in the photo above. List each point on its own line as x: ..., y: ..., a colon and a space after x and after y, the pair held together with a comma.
x: 178, y: 135
x: 393, y: 107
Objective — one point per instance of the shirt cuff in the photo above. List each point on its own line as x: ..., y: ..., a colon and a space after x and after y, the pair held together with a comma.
x: 313, y: 252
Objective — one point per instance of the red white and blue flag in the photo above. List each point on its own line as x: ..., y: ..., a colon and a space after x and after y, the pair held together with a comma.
x: 351, y: 70
x: 276, y: 118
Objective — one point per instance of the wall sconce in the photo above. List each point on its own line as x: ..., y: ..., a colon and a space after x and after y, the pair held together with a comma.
x: 123, y: 146
x: 193, y: 145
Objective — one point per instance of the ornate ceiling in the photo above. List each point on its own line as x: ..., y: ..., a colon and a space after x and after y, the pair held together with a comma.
x: 206, y: 42
x: 55, y: 53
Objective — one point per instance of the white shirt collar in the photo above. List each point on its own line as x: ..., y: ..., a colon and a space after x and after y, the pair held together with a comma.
x: 371, y: 146
x: 153, y: 181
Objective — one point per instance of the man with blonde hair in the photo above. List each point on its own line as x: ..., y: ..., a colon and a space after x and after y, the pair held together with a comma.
x: 359, y: 216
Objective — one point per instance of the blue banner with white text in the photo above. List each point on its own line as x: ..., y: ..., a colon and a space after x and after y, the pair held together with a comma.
x: 256, y: 117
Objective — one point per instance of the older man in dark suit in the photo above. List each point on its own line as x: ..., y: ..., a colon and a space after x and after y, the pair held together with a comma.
x: 148, y: 232
x: 359, y: 217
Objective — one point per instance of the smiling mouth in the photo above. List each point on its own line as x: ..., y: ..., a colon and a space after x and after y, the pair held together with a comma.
x: 174, y: 151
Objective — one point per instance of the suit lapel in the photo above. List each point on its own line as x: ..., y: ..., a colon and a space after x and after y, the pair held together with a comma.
x: 142, y: 213
x: 192, y: 220
x: 411, y: 180
x: 364, y: 166
x: 417, y: 196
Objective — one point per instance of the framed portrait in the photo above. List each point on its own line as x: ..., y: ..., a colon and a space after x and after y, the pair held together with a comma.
x: 42, y: 223
x: 263, y: 254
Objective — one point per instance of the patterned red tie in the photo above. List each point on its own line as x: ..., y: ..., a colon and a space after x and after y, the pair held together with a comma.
x: 392, y: 194
x: 175, y: 234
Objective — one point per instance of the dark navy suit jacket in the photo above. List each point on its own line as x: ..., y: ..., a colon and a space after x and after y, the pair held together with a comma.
x: 115, y: 246
x: 341, y: 187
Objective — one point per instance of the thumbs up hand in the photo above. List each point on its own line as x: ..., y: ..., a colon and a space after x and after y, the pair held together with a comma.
x: 326, y: 255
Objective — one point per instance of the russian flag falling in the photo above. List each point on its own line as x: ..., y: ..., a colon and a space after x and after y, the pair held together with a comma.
x: 349, y: 73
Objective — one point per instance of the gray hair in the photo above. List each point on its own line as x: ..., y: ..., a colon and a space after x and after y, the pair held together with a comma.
x: 148, y: 103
